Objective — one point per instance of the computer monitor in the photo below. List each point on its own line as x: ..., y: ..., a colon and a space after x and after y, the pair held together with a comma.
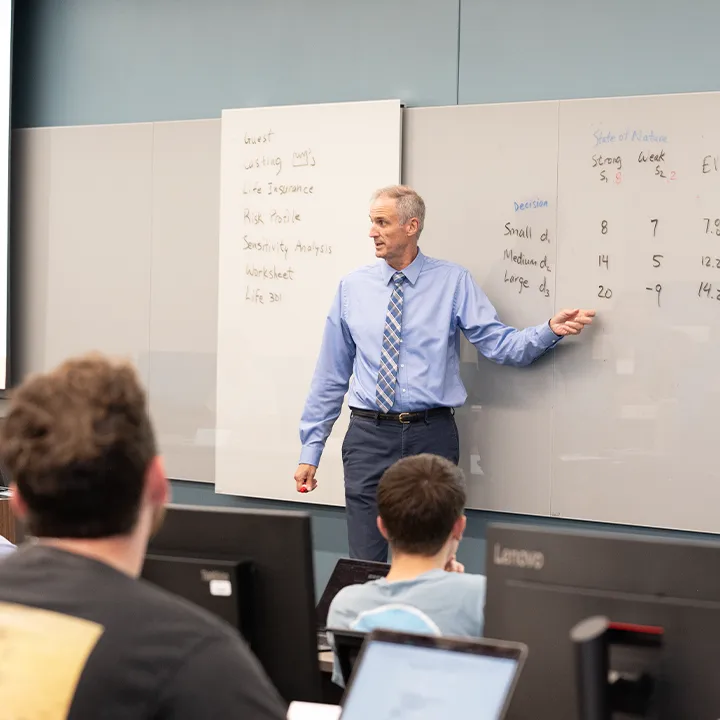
x: 542, y: 582
x: 278, y: 547
x: 401, y: 675
x: 224, y: 587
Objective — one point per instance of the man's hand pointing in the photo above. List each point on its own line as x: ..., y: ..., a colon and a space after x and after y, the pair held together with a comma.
x: 571, y: 322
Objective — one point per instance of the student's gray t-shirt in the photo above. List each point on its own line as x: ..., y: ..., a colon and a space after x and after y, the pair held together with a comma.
x: 434, y: 603
x: 121, y: 648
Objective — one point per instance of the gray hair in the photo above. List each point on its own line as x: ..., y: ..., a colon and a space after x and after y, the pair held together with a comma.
x: 409, y: 204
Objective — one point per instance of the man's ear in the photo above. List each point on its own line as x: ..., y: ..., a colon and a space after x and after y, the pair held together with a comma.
x: 459, y: 528
x: 412, y: 227
x: 157, y: 486
x: 381, y: 527
x: 17, y: 504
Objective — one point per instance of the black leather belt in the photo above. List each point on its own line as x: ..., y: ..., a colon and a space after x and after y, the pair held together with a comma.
x: 404, y: 418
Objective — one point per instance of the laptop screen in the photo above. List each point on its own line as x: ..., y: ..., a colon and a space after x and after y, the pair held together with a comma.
x: 348, y: 572
x: 400, y: 681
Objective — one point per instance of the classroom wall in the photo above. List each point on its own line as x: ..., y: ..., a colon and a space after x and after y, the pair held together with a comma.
x: 80, y: 62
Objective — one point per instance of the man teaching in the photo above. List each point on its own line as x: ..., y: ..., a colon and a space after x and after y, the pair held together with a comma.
x: 394, y: 327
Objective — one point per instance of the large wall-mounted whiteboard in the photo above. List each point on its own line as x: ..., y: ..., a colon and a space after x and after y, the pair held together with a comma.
x: 621, y: 197
x: 609, y: 203
x: 635, y: 431
x: 295, y: 189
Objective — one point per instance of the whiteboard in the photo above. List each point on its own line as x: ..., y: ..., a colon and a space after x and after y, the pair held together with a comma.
x: 183, y: 300
x: 96, y: 173
x: 488, y: 175
x: 295, y: 187
x: 616, y: 425
x: 635, y: 438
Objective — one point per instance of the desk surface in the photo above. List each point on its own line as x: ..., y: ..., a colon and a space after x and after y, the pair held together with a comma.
x: 326, y: 661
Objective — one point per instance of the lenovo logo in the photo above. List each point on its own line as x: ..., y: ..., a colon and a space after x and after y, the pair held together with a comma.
x: 511, y: 557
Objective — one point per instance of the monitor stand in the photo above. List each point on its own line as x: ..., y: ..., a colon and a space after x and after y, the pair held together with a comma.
x: 600, y: 690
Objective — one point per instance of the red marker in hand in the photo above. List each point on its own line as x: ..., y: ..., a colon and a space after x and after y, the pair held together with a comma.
x: 303, y: 489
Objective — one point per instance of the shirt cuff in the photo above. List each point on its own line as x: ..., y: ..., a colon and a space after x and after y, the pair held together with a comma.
x: 547, y: 335
x: 310, y: 454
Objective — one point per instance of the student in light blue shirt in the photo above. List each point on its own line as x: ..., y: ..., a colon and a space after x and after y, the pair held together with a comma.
x: 420, y: 503
x: 391, y: 342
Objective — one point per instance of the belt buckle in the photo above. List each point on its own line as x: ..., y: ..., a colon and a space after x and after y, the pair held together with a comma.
x: 402, y: 418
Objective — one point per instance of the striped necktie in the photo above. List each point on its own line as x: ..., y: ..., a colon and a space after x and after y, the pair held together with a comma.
x: 387, y: 376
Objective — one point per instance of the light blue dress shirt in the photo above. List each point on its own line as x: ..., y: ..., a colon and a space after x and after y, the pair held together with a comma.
x: 440, y: 301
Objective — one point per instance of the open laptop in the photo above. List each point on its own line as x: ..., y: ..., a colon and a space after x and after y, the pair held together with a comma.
x: 346, y: 572
x: 401, y: 675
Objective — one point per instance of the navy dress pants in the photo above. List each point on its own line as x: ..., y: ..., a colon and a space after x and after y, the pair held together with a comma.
x: 370, y: 447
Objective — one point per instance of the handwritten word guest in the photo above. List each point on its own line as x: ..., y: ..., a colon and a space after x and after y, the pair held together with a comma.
x: 394, y: 328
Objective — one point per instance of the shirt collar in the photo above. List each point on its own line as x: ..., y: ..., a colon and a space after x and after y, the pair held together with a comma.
x: 411, y: 272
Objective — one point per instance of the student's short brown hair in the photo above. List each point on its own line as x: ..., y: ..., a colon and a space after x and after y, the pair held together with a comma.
x: 419, y: 500
x: 78, y: 442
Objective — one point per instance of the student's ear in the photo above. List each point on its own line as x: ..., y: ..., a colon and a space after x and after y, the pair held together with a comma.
x: 459, y: 528
x: 381, y: 527
x: 17, y: 503
x: 157, y: 486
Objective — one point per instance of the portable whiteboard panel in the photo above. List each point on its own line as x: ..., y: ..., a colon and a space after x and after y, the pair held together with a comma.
x: 295, y: 189
x: 488, y: 175
x: 635, y: 437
